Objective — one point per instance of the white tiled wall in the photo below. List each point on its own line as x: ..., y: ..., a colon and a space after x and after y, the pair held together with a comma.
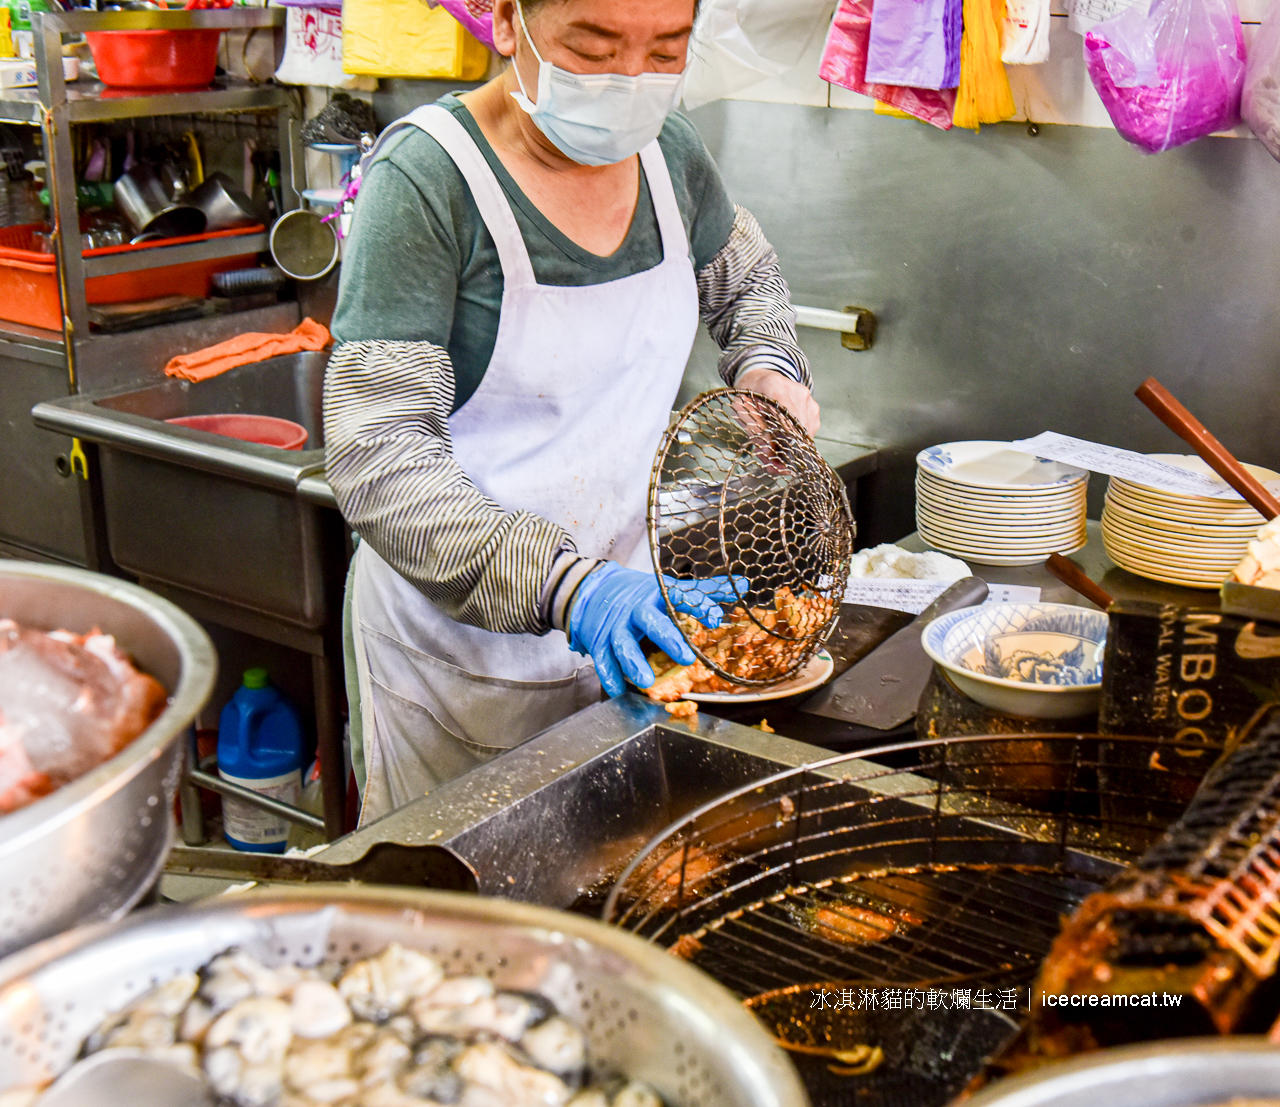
x: 1059, y: 91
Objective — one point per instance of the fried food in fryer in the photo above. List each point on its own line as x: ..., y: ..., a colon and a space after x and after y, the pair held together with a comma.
x: 848, y: 922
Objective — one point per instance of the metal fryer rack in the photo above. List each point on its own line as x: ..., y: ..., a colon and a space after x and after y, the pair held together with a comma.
x: 918, y: 866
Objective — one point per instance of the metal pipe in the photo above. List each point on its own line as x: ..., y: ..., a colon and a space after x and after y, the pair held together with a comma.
x: 857, y: 325
x: 193, y: 829
x: 284, y: 810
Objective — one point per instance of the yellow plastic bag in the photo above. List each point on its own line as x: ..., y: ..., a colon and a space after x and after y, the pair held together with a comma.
x: 405, y: 38
x: 984, y: 95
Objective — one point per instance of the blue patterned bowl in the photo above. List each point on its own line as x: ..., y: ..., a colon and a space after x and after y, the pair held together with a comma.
x: 1039, y: 660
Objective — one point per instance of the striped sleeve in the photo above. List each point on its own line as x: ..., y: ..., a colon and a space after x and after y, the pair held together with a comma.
x: 389, y: 461
x: 746, y: 305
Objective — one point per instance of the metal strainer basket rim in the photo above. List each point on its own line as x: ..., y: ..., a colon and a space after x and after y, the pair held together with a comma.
x: 815, y: 639
x: 611, y: 913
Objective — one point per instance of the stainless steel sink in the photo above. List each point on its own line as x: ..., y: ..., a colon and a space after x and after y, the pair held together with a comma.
x: 203, y: 513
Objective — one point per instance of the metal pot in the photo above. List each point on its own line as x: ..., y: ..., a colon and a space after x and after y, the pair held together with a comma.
x: 645, y: 1013
x: 224, y: 205
x: 92, y: 849
x: 148, y: 207
x: 1186, y: 1073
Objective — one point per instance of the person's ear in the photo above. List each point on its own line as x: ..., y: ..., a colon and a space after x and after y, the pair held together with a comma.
x: 504, y: 27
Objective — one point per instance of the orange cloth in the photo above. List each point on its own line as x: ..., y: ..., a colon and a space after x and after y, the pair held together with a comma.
x: 246, y: 348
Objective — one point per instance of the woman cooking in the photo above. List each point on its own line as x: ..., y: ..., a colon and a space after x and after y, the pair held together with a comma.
x: 520, y: 292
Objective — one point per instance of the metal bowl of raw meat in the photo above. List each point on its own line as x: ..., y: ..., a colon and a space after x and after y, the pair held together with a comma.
x: 1192, y: 1072
x: 644, y: 1013
x: 91, y: 850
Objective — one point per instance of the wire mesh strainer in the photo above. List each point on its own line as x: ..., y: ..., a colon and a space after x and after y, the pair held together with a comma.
x: 739, y: 490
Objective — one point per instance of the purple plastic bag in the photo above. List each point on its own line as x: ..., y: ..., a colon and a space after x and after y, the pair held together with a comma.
x: 915, y: 43
x: 1170, y: 72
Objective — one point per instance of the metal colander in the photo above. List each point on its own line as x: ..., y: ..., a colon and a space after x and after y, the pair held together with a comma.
x: 740, y: 491
x: 644, y: 1013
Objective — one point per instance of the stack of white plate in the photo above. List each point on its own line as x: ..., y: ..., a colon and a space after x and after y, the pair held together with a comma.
x: 989, y: 503
x: 1194, y: 541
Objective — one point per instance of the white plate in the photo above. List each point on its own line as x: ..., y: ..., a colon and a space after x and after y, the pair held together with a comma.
x: 1197, y: 464
x: 1012, y: 512
x: 816, y: 670
x: 999, y: 559
x: 995, y: 465
x: 1212, y: 512
x: 1148, y: 521
x: 1002, y: 523
x: 1176, y: 516
x: 1187, y: 546
x: 1168, y: 560
x: 997, y: 539
x: 1164, y: 576
x: 1031, y: 495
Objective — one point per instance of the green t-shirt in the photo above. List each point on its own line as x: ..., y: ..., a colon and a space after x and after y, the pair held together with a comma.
x: 420, y: 265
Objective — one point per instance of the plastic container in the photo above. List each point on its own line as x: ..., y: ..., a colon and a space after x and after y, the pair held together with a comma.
x: 266, y: 430
x: 155, y: 59
x: 29, y: 278
x: 259, y: 747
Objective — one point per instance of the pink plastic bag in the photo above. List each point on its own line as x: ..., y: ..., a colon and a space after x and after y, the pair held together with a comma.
x: 476, y: 16
x: 1260, y: 105
x: 1169, y: 71
x: 844, y: 63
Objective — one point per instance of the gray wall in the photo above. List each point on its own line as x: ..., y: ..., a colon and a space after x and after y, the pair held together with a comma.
x: 1023, y: 282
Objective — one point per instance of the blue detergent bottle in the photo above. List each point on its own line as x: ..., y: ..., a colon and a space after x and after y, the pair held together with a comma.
x: 259, y: 747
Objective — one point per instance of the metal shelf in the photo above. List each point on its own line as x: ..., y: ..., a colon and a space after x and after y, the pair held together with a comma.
x: 109, y: 265
x: 93, y: 102
x: 56, y: 107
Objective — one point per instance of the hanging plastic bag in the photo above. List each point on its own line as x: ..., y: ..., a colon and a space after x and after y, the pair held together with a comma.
x: 405, y: 38
x: 915, y: 43
x: 1025, y: 38
x: 1169, y: 72
x: 313, y: 50
x: 984, y: 95
x: 844, y: 63
x: 739, y: 43
x: 1260, y: 104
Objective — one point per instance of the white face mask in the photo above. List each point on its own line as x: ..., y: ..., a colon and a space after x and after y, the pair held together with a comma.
x: 598, y: 118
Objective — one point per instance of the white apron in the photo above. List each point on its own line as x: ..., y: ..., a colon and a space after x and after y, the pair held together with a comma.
x: 564, y: 424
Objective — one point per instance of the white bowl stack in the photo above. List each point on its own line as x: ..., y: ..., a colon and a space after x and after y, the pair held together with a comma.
x: 1194, y: 541
x: 989, y: 503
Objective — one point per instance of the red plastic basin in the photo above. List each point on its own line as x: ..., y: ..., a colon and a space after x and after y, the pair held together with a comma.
x: 266, y: 430
x: 155, y: 59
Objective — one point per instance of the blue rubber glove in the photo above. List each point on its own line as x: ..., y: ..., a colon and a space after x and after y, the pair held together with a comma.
x: 616, y: 607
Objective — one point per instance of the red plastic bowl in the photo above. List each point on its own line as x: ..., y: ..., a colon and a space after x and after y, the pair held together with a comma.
x: 155, y: 59
x: 266, y: 430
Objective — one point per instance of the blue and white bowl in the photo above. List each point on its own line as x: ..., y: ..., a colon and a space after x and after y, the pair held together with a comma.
x: 1039, y: 660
